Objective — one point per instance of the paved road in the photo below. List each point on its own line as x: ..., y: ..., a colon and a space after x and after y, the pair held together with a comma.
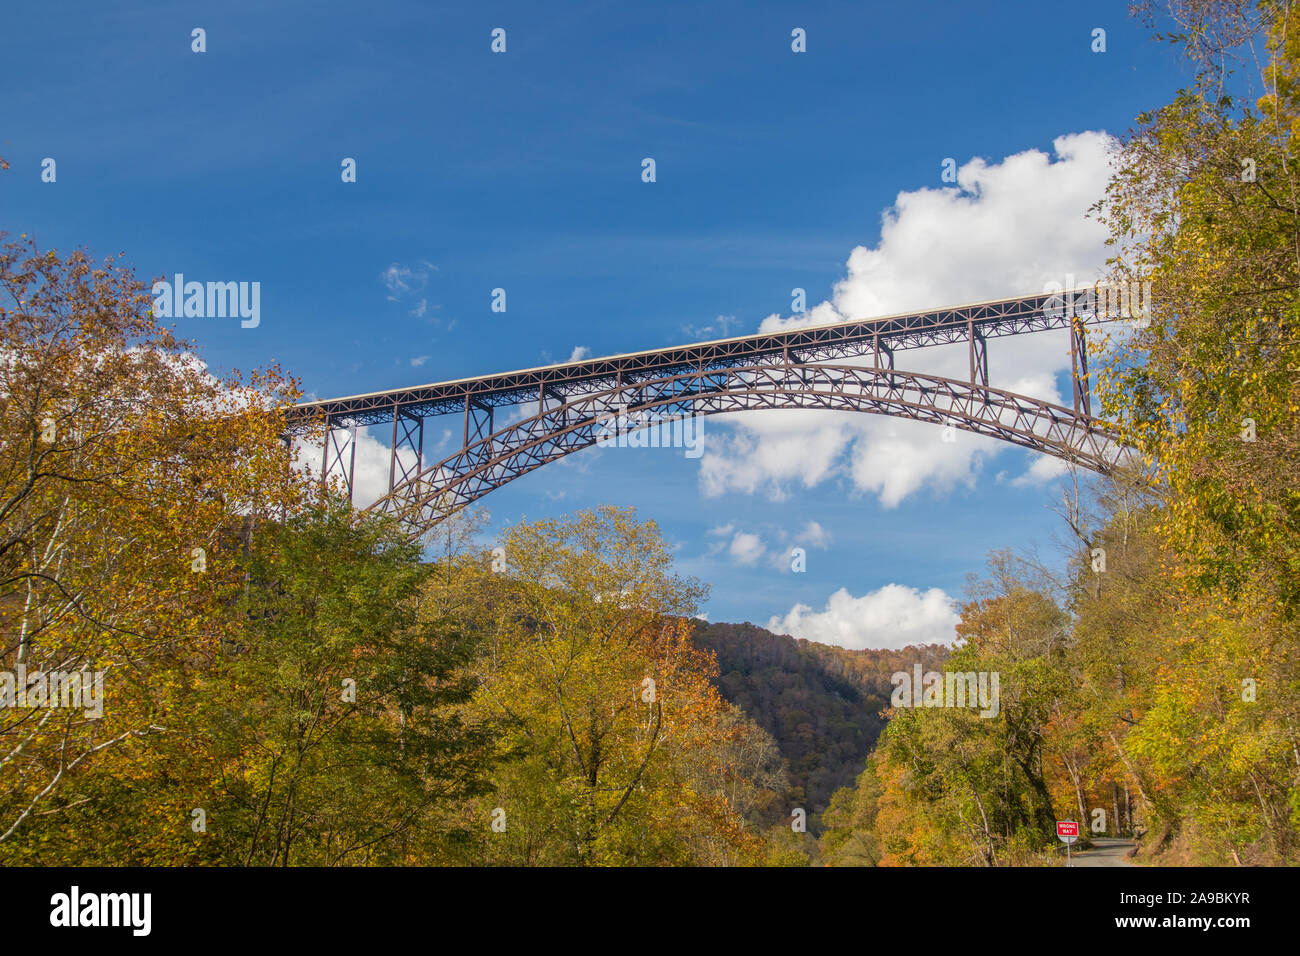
x: 1107, y: 851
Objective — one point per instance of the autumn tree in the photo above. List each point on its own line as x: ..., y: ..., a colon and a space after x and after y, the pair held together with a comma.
x: 1206, y: 203
x: 616, y: 747
x: 334, y: 732
x: 130, y: 478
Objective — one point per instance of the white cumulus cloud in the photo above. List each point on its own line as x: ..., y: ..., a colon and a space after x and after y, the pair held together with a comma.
x: 814, y: 535
x: 1006, y: 228
x: 746, y: 548
x: 891, y: 617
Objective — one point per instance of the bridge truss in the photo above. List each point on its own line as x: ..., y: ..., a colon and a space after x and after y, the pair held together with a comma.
x: 573, y: 405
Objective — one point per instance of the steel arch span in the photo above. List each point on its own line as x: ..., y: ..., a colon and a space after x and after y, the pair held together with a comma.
x: 524, y: 446
x: 574, y: 405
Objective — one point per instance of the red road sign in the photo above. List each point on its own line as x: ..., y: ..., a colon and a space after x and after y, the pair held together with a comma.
x: 1067, y: 831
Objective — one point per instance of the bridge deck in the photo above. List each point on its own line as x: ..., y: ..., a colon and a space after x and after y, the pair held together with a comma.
x: 804, y: 345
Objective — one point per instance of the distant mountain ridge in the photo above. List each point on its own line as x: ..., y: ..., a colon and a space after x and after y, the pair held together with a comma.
x: 821, y: 703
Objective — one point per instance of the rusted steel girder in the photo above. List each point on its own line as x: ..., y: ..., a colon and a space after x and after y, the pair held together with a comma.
x: 566, y: 394
x: 883, y: 337
x: 500, y: 457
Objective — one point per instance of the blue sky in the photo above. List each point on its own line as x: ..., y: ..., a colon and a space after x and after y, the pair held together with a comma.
x: 522, y: 171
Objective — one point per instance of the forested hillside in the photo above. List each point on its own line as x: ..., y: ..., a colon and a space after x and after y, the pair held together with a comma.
x: 823, y: 705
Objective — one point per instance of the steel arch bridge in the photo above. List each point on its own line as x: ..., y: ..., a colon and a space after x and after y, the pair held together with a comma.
x: 574, y: 405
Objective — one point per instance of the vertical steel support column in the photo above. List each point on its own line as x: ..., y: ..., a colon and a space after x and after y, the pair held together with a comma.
x: 619, y: 420
x: 325, y: 455
x: 333, y: 456
x: 878, y: 350
x: 787, y: 369
x: 392, y: 451
x: 556, y: 399
x: 979, y: 359
x: 1079, y: 376
x: 970, y: 347
x: 410, y: 436
x: 480, y: 417
x: 352, y: 460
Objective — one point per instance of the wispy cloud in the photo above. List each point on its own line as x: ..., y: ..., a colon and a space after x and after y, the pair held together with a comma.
x: 404, y: 282
x: 719, y: 328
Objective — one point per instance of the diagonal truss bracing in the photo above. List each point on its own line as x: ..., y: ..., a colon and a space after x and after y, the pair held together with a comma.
x: 795, y: 368
x: 823, y: 343
x: 526, y: 445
